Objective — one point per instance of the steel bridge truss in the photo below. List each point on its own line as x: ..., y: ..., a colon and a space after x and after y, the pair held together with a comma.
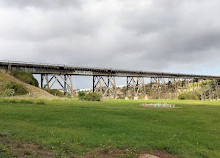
x: 160, y: 88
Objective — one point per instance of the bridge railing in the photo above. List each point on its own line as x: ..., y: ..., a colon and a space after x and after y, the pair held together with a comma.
x: 49, y: 64
x: 101, y: 69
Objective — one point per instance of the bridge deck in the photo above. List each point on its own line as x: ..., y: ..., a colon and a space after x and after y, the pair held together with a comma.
x: 36, y: 68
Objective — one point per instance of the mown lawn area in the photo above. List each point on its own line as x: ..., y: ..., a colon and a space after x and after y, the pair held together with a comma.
x: 76, y: 128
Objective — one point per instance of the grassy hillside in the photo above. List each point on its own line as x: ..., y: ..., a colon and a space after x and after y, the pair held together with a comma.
x: 26, y: 77
x: 33, y: 91
x: 117, y: 128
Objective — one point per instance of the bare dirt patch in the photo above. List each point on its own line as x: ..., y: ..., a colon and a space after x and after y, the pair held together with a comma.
x: 104, y: 154
x: 158, y: 153
x: 20, y: 150
x: 123, y: 153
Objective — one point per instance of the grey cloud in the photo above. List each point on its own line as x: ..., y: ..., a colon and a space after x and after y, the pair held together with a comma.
x: 153, y: 35
x: 44, y: 4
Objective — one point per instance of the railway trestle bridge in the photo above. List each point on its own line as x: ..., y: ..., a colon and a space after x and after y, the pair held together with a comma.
x: 159, y: 85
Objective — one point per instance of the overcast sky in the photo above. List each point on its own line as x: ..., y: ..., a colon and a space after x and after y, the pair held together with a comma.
x: 150, y: 35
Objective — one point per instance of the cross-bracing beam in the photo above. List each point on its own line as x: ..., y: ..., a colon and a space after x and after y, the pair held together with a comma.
x: 136, y: 86
x: 105, y: 85
x: 65, y: 81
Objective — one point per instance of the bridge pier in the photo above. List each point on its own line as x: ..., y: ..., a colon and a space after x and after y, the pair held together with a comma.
x: 104, y: 85
x: 178, y: 85
x: 209, y: 91
x: 41, y: 80
x: 50, y: 80
x: 203, y: 95
x: 136, y: 86
x: 9, y: 67
x: 171, y: 86
x: 155, y: 89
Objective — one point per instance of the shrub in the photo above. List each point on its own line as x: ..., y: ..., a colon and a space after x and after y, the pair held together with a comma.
x: 69, y: 96
x: 121, y: 96
x: 9, y: 101
x: 26, y: 77
x: 188, y: 96
x: 81, y: 95
x: 55, y: 92
x: 27, y: 101
x: 40, y: 103
x: 18, y: 88
x: 9, y: 92
x: 93, y: 97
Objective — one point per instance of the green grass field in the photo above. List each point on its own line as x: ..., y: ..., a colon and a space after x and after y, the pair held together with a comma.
x: 76, y: 128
